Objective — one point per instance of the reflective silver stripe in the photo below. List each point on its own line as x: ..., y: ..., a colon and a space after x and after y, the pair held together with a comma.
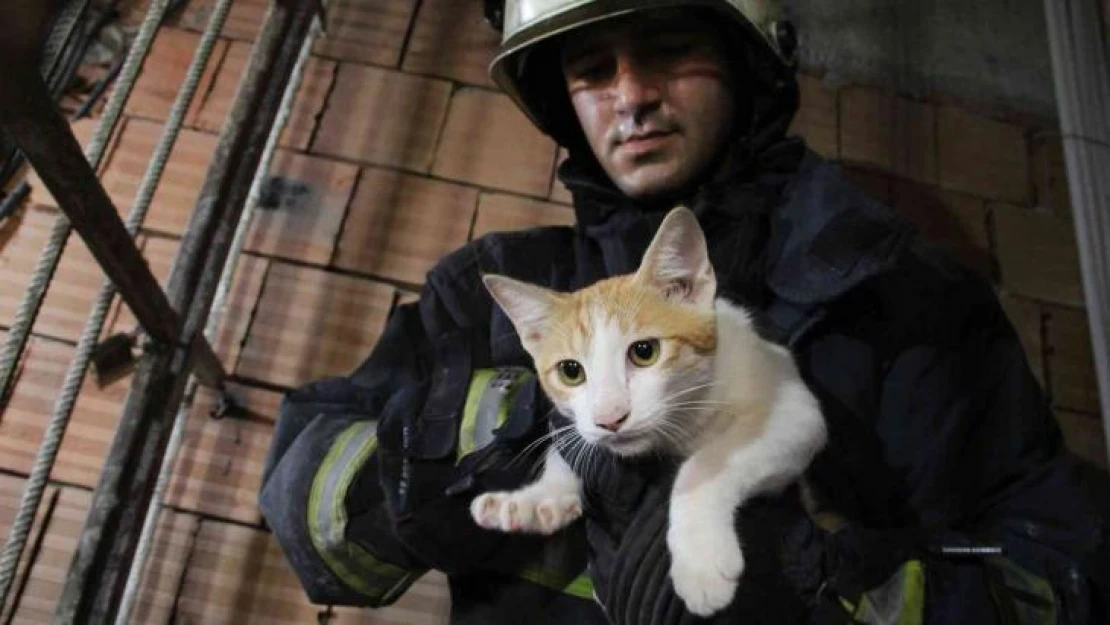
x: 490, y: 394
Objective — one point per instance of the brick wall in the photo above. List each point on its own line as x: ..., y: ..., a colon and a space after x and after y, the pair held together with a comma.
x: 399, y: 151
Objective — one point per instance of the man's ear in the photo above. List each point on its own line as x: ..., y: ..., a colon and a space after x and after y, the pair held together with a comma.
x: 677, y: 261
x: 529, y: 307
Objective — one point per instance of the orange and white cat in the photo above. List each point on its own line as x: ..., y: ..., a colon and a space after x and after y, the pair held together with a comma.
x: 653, y: 361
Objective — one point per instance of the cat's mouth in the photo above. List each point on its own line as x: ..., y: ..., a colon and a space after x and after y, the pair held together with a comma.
x: 629, y: 442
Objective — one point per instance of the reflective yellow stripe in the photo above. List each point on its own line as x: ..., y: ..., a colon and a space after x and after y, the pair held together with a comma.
x: 581, y: 586
x: 899, y: 601
x: 1032, y: 595
x: 380, y: 581
x: 478, y: 383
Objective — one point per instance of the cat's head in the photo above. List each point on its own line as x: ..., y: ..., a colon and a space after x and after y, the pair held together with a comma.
x: 627, y: 359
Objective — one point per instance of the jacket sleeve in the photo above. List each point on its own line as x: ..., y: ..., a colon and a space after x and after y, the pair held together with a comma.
x: 370, y: 475
x: 1007, y: 532
x: 321, y: 493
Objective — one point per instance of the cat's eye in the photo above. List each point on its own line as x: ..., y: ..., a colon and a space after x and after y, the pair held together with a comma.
x: 571, y: 372
x: 644, y: 353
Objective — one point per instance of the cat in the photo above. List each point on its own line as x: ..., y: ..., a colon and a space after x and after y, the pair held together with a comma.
x: 654, y: 361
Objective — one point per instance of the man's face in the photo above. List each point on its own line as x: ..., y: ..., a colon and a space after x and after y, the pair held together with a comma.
x: 654, y: 97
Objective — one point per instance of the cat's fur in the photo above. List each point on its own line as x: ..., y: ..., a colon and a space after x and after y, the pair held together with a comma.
x: 731, y: 404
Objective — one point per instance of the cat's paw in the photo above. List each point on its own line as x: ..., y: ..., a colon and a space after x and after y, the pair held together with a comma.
x: 524, y: 511
x: 706, y: 566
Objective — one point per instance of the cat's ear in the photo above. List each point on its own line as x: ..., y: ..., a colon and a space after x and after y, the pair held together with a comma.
x: 677, y: 261
x: 529, y: 307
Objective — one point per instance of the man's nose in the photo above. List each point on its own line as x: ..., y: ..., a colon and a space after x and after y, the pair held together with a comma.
x: 636, y: 87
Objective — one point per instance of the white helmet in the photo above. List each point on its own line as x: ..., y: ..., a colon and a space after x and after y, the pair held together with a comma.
x: 527, y: 23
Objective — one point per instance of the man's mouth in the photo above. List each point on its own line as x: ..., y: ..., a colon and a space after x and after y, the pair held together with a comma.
x: 642, y: 142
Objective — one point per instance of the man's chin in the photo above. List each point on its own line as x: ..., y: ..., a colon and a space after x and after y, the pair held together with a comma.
x: 654, y: 182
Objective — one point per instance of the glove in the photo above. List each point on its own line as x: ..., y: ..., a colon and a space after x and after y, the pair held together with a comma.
x: 794, y: 571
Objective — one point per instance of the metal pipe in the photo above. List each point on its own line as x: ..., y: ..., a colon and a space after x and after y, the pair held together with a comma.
x: 1081, y: 72
x: 75, y: 375
x: 97, y: 577
x: 44, y: 272
x: 165, y: 473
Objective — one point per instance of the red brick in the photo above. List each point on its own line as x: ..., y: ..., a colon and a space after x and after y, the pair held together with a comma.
x: 559, y: 192
x: 48, y: 573
x: 158, y: 586
x: 1037, y: 255
x: 240, y: 575
x: 244, y: 19
x: 452, y: 39
x: 1028, y: 320
x: 816, y: 120
x: 879, y: 187
x: 59, y: 541
x: 239, y: 306
x: 488, y: 142
x: 956, y: 221
x: 982, y: 156
x: 383, y: 117
x: 1071, y: 361
x: 399, y: 225
x: 169, y: 555
x: 1050, y: 175
x: 367, y: 31
x: 11, y: 493
x: 307, y: 106
x: 312, y: 198
x: 164, y: 73
x: 76, y: 282
x: 91, y: 427
x: 311, y: 324
x: 499, y: 212
x: 219, y: 470
x: 893, y: 133
x: 1084, y: 436
x: 407, y: 297
x: 427, y: 602
x: 177, y: 192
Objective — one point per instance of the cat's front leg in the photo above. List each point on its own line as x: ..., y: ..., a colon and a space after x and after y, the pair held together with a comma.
x: 706, y: 559
x: 546, y: 506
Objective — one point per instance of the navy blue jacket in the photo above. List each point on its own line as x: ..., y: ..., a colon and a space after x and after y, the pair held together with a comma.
x: 939, y: 434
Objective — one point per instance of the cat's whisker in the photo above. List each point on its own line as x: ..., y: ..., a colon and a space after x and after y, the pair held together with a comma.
x: 539, y: 441
x: 688, y: 390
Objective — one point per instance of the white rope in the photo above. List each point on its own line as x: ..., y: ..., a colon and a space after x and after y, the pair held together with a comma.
x: 52, y: 251
x: 165, y: 474
x: 63, y: 407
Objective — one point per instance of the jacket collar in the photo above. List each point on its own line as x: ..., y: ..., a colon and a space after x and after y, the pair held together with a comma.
x: 826, y: 235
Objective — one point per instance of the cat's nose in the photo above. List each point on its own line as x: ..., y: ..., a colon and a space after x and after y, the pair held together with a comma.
x: 612, y: 422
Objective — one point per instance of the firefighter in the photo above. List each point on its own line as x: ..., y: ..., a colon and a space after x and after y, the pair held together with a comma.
x: 961, y: 504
